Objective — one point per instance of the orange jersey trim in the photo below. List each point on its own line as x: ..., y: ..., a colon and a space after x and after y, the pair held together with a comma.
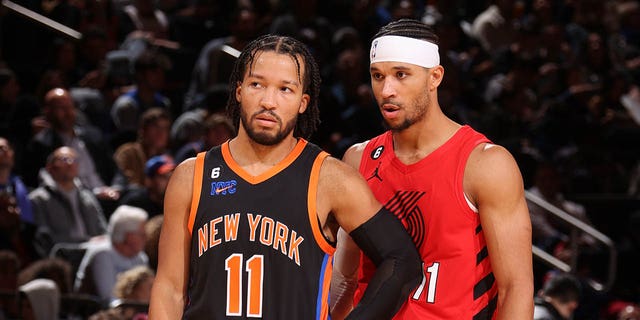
x: 233, y: 165
x: 311, y: 200
x: 197, y: 189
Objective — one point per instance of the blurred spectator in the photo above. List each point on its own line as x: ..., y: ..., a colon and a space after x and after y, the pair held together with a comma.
x: 358, y: 116
x: 104, y: 261
x: 9, y: 269
x: 64, y: 209
x: 17, y: 235
x: 16, y: 111
x: 54, y: 269
x: 494, y: 27
x: 153, y: 228
x: 42, y: 300
x: 558, y: 299
x: 11, y: 183
x: 622, y: 310
x: 216, y: 58
x: 108, y: 314
x: 99, y: 16
x: 133, y: 292
x: 93, y: 48
x: 134, y: 284
x: 153, y: 139
x: 549, y: 233
x: 189, y: 126
x: 143, y: 15
x: 217, y: 129
x: 630, y: 312
x: 63, y: 61
x: 149, y: 79
x: 150, y: 197
x: 96, y: 168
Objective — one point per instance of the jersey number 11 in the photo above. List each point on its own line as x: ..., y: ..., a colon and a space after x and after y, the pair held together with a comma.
x: 431, y: 288
x: 255, y: 272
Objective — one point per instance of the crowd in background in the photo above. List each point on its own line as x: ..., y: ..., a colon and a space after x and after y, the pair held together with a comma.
x: 92, y: 127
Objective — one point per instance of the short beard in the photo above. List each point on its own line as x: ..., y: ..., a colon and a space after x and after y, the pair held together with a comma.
x: 419, y: 113
x: 264, y: 138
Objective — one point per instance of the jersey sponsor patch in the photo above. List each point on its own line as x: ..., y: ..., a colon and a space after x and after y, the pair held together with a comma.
x: 223, y: 188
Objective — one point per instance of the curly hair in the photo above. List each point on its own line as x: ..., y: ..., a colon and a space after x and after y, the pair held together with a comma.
x: 308, y: 121
x: 129, y: 280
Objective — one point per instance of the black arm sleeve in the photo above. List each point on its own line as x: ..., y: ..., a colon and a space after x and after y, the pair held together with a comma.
x: 398, y: 266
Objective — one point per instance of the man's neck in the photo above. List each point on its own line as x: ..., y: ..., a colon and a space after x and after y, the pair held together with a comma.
x: 124, y: 250
x: 65, y: 185
x: 422, y: 138
x: 66, y: 133
x: 5, y: 173
x: 146, y: 94
x: 256, y: 158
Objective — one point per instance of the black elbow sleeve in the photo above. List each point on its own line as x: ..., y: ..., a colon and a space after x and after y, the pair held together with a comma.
x: 398, y: 266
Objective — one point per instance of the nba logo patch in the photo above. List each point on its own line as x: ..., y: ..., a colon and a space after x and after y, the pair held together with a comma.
x: 373, y: 49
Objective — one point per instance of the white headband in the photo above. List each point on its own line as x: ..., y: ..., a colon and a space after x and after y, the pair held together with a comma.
x: 405, y: 49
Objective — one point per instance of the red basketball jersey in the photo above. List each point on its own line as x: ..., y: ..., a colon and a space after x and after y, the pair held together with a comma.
x: 428, y: 198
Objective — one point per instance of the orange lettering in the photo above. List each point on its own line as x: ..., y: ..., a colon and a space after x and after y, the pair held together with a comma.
x: 253, y: 225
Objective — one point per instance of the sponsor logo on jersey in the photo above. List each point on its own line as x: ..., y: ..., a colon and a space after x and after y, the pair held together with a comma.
x: 223, y: 188
x: 375, y: 174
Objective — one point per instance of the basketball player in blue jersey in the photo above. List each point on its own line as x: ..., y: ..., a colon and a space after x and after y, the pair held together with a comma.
x: 250, y: 226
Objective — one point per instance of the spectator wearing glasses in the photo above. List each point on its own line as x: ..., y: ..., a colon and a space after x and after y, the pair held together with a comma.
x: 65, y: 210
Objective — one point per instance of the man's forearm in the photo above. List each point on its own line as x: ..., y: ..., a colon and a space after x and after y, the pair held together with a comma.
x: 165, y: 303
x: 398, y: 266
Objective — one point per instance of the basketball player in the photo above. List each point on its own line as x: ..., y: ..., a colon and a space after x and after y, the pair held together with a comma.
x: 250, y: 225
x: 460, y: 197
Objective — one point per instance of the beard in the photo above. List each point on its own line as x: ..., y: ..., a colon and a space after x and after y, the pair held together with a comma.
x: 263, y: 137
x: 419, y: 111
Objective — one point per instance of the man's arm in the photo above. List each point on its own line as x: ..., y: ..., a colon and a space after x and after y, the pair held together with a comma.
x: 346, y: 260
x: 380, y: 235
x: 169, y: 287
x: 493, y: 181
x: 104, y: 274
x: 344, y: 279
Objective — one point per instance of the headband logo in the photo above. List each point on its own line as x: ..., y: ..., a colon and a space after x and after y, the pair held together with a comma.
x: 373, y: 50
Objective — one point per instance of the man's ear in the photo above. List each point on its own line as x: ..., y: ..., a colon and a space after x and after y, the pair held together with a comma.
x: 304, y: 103
x: 435, y: 77
x: 238, y: 91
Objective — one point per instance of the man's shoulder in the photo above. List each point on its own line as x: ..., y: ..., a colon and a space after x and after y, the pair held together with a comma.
x: 126, y: 99
x: 39, y: 193
x: 43, y: 139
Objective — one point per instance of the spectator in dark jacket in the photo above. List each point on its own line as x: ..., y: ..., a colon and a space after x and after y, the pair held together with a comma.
x: 65, y: 210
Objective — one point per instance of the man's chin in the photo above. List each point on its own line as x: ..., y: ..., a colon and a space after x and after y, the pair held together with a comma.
x: 266, y: 139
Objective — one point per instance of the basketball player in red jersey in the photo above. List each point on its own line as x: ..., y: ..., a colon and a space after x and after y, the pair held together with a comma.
x: 250, y: 225
x: 460, y: 197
